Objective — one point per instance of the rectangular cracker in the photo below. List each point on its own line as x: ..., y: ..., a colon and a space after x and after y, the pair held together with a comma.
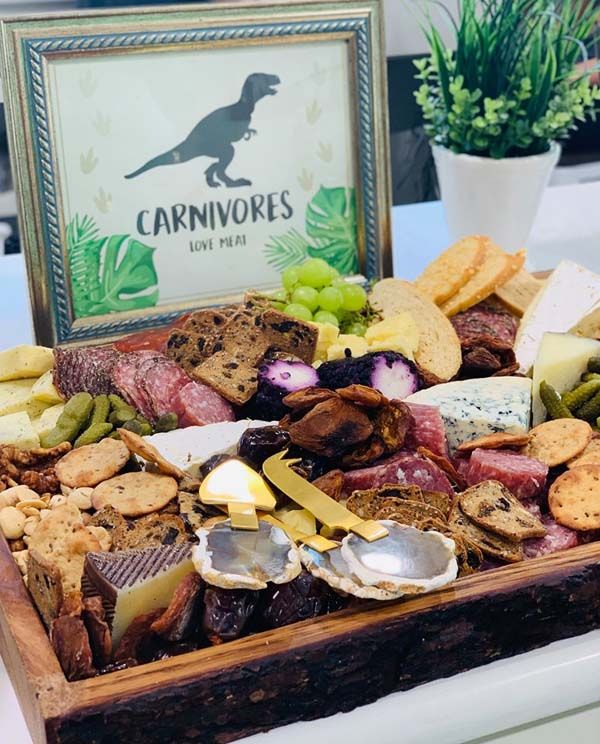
x: 490, y: 544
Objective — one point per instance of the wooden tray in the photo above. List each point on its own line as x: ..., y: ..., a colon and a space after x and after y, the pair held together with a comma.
x: 333, y: 664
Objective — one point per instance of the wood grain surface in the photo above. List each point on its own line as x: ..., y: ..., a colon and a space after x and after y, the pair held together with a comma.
x: 302, y: 671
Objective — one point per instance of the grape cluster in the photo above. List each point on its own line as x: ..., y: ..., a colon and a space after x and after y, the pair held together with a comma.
x: 315, y: 291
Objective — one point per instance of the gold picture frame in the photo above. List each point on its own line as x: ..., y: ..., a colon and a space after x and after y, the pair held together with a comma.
x: 38, y: 64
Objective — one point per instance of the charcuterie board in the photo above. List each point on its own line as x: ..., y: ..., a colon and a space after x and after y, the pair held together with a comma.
x: 255, y: 518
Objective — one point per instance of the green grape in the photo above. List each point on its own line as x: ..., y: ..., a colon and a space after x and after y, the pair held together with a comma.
x: 324, y: 317
x: 358, y: 329
x: 330, y: 299
x: 290, y: 277
x: 333, y: 273
x: 307, y: 296
x: 314, y: 273
x: 298, y: 311
x: 279, y: 295
x: 354, y: 297
x: 339, y: 282
x: 279, y: 306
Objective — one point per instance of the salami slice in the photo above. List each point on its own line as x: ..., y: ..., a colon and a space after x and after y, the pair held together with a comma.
x: 484, y: 321
x: 556, y: 538
x: 198, y: 404
x: 163, y: 381
x: 524, y: 477
x: 126, y: 381
x: 143, y: 398
x: 86, y: 370
x: 427, y: 429
x: 404, y: 468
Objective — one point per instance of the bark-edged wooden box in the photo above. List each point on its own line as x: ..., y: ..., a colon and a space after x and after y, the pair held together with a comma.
x: 302, y: 671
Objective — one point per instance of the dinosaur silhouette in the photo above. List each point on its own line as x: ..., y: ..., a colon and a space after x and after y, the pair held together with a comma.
x: 213, y: 136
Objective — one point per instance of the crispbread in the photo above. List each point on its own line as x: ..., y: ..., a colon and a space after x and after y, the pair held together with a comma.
x: 44, y: 582
x: 497, y: 268
x: 439, y: 352
x: 558, y: 441
x: 152, y: 531
x: 452, y: 269
x: 366, y: 503
x: 63, y: 541
x: 492, y: 506
x: 574, y: 498
x: 495, y: 441
x: 409, y: 512
x: 589, y: 456
x: 440, y: 500
x: 490, y: 544
x: 135, y: 494
x: 519, y: 291
x: 89, y: 465
x: 233, y: 376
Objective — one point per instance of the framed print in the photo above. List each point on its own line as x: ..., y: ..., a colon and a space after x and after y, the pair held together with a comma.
x: 167, y: 159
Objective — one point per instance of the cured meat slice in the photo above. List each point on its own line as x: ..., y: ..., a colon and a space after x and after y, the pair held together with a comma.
x: 427, y: 429
x: 125, y: 378
x: 143, y: 399
x: 404, y: 468
x: 485, y: 320
x: 197, y: 404
x: 556, y: 538
x: 71, y: 645
x: 524, y: 477
x: 163, y: 381
x: 86, y: 370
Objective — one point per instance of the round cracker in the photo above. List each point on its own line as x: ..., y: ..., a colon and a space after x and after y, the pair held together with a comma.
x: 89, y: 465
x: 574, y: 498
x: 589, y: 456
x: 558, y: 441
x: 135, y: 494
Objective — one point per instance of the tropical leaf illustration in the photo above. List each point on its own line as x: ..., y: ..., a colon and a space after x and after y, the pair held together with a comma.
x: 331, y: 223
x: 331, y: 228
x: 108, y: 274
x: 286, y: 250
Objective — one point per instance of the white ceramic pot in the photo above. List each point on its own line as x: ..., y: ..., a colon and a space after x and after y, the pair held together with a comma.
x: 499, y: 198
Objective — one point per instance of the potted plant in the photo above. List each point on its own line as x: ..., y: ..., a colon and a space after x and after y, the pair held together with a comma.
x: 497, y: 102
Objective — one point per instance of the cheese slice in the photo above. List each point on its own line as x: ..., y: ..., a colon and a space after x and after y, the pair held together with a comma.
x: 15, y: 396
x: 47, y: 421
x: 25, y: 361
x: 44, y: 390
x: 16, y: 429
x: 473, y: 408
x: 568, y: 295
x: 561, y: 360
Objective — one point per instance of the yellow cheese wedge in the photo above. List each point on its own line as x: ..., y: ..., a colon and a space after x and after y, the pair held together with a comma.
x: 15, y: 396
x: 16, y: 429
x: 47, y: 421
x: 45, y: 391
x: 25, y: 361
x: 356, y: 344
x: 328, y: 335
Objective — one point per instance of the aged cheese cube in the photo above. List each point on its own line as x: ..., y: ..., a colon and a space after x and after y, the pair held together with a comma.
x: 356, y: 344
x: 47, y: 421
x: 15, y: 395
x: 472, y: 408
x: 16, y: 429
x: 25, y: 361
x: 328, y: 334
x: 44, y: 390
x: 560, y: 361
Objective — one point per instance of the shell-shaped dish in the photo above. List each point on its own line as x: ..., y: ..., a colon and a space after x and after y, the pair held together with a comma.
x: 407, y: 561
x: 333, y: 570
x: 245, y: 559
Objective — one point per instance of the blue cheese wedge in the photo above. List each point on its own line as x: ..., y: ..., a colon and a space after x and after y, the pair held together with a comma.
x: 473, y: 408
x: 569, y: 294
x: 25, y: 361
x: 561, y: 360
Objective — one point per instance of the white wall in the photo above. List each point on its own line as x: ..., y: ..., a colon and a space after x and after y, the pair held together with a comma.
x: 402, y: 18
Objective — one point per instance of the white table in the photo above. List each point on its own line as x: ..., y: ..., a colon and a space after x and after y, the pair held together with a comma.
x: 535, y: 687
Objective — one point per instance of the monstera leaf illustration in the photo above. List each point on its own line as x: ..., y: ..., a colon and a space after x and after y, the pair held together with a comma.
x: 331, y: 223
x: 331, y: 227
x: 109, y: 274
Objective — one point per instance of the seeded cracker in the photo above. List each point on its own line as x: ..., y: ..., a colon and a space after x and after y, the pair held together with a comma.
x: 490, y: 544
x: 574, y: 498
x: 135, y: 494
x: 558, y: 441
x: 589, y: 456
x: 92, y: 464
x: 492, y: 506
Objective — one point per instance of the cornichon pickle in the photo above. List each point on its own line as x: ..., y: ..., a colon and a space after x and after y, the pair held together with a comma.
x: 593, y: 364
x: 581, y: 394
x: 167, y: 422
x: 116, y: 401
x: 146, y: 428
x: 144, y: 420
x: 71, y: 421
x: 133, y: 425
x: 120, y: 415
x: 101, y: 409
x: 553, y: 402
x: 93, y: 433
x: 590, y: 410
x: 587, y: 376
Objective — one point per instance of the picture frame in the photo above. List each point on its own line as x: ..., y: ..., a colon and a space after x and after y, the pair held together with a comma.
x: 167, y: 159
